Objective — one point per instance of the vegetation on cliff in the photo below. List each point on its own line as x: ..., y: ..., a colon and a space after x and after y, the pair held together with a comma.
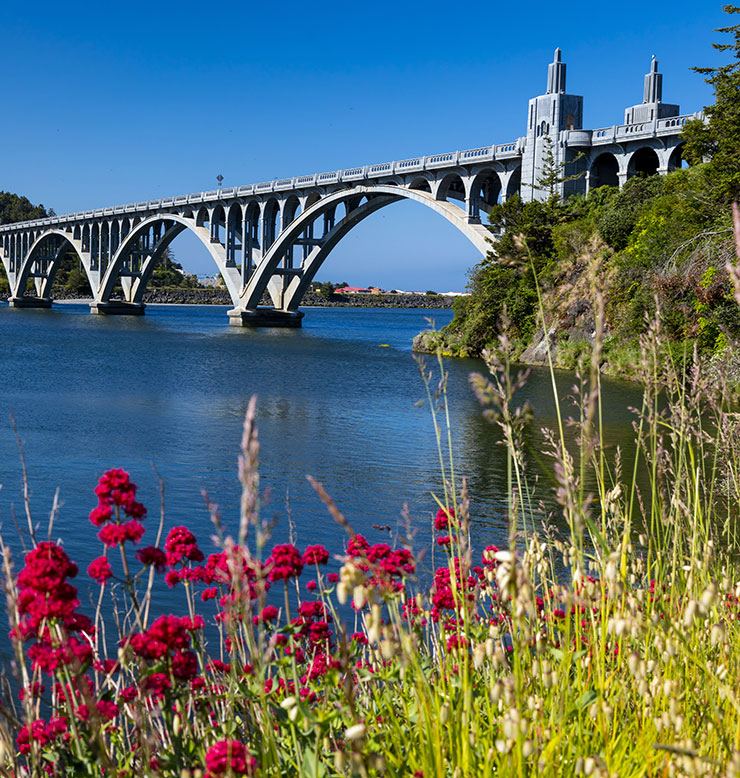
x: 661, y: 243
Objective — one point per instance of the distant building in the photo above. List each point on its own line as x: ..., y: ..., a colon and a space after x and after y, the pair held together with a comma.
x: 356, y: 290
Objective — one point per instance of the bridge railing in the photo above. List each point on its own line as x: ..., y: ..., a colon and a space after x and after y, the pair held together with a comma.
x: 617, y: 132
x: 504, y: 151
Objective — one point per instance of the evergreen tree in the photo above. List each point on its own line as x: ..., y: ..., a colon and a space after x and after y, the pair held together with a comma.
x: 719, y: 140
x: 553, y: 173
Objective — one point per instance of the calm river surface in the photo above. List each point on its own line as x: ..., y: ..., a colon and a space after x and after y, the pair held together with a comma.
x: 171, y: 388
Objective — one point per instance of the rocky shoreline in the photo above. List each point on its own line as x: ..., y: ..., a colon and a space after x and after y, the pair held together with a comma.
x: 215, y: 296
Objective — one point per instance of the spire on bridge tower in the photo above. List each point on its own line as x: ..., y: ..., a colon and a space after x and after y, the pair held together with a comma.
x: 653, y: 91
x: 652, y: 106
x: 550, y: 115
x: 556, y: 74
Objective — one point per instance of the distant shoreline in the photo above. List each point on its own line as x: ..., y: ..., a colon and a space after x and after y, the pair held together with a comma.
x: 213, y: 296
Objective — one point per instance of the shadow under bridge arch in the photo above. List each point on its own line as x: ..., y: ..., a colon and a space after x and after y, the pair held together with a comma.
x: 287, y: 285
x: 142, y: 248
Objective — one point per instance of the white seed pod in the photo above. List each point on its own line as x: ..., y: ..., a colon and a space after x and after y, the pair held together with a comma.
x: 340, y: 761
x: 359, y: 597
x: 717, y: 635
x: 355, y: 732
x: 342, y: 594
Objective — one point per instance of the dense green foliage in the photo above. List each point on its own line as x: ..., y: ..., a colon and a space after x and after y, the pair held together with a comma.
x: 719, y: 140
x: 14, y: 208
x: 661, y: 243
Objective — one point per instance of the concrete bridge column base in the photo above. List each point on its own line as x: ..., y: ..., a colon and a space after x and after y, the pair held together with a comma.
x: 29, y: 302
x: 118, y: 308
x: 264, y: 317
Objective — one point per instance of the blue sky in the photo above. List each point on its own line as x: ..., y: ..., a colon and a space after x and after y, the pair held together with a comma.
x: 112, y: 103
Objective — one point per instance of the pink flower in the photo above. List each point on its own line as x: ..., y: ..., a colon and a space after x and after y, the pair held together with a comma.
x: 285, y: 562
x: 115, y: 534
x: 100, y: 570
x: 115, y: 488
x: 100, y: 514
x: 151, y: 555
x: 443, y: 518
x: 181, y: 546
x: 269, y: 613
x: 229, y: 757
x: 315, y: 555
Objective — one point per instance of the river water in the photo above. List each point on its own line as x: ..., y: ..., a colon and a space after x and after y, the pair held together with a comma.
x: 336, y: 399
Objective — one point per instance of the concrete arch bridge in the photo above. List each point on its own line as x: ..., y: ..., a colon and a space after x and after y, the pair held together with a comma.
x: 273, y: 237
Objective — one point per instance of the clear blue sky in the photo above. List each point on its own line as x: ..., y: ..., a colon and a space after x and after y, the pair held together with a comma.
x: 112, y: 103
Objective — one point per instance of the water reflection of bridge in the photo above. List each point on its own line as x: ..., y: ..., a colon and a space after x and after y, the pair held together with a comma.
x: 273, y: 237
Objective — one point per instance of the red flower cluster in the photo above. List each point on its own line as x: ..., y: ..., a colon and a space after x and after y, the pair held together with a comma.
x: 229, y: 757
x: 181, y: 546
x: 45, y: 597
x: 151, y: 555
x: 100, y: 570
x: 285, y: 562
x: 315, y: 555
x: 444, y: 518
x: 169, y: 638
x: 443, y: 597
x: 115, y: 534
x: 116, y: 495
x: 40, y: 732
x: 388, y: 566
x: 115, y: 488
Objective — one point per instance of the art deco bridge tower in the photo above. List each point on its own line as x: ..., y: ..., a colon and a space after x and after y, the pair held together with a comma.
x: 548, y: 115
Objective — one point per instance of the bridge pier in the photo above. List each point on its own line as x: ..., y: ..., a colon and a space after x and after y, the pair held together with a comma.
x: 117, y: 308
x: 264, y: 317
x: 29, y: 302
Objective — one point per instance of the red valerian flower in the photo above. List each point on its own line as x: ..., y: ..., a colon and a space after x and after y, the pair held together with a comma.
x: 100, y: 514
x: 100, y: 570
x: 151, y: 555
x: 115, y: 488
x: 167, y: 633
x: 181, y: 546
x: 229, y: 757
x: 269, y: 613
x: 444, y: 518
x: 285, y: 562
x: 115, y: 534
x: 315, y: 555
x: 45, y: 597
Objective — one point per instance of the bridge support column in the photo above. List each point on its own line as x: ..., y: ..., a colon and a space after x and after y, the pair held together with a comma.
x: 264, y: 317
x: 118, y: 308
x: 29, y: 302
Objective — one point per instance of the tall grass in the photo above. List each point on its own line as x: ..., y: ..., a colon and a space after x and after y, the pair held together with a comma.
x: 611, y: 648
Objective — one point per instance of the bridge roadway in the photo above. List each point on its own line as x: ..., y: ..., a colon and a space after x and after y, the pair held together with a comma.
x: 273, y: 237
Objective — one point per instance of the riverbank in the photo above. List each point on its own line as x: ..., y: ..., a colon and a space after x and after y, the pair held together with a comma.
x: 214, y: 296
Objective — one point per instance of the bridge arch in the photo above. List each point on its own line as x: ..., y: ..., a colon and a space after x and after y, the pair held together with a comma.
x: 295, y: 285
x: 451, y: 185
x: 173, y: 224
x: 604, y: 171
x: 514, y: 184
x: 485, y: 191
x: 676, y: 159
x: 643, y: 161
x: 65, y: 242
x: 422, y: 182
